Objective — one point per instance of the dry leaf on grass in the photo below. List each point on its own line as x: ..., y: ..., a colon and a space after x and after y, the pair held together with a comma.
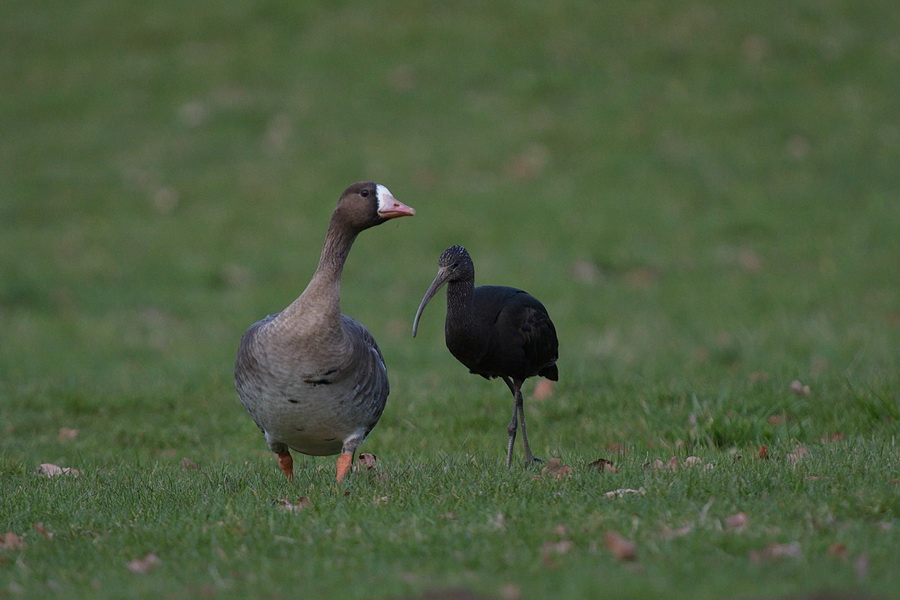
x: 775, y: 551
x: 302, y: 503
x: 798, y: 388
x: 550, y: 549
x: 669, y: 533
x: 142, y: 566
x: 838, y: 550
x: 673, y: 463
x: 779, y: 419
x: 763, y: 453
x: 623, y: 549
x: 737, y: 522
x: 11, y: 541
x: 555, y: 469
x: 510, y: 591
x: 797, y: 455
x: 51, y: 470
x: 188, y: 465
x: 604, y: 466
x: 621, y: 492
x: 543, y: 390
x: 66, y: 434
x: 367, y: 460
x: 39, y: 527
x: 448, y: 594
x: 861, y: 566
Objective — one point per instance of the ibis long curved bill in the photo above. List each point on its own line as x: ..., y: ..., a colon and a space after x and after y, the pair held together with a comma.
x: 439, y: 280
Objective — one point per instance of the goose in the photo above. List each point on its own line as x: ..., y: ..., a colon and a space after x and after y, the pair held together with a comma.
x: 313, y: 380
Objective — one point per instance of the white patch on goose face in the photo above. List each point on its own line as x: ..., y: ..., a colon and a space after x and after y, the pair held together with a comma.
x: 382, y: 193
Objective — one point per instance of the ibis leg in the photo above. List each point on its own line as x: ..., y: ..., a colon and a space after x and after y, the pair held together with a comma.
x: 520, y: 406
x: 515, y: 386
x: 286, y: 463
x: 511, y: 430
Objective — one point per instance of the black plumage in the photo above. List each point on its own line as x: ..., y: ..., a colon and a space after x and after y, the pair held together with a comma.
x: 495, y: 331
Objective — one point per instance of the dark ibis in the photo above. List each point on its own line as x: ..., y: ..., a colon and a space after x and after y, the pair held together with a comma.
x: 495, y: 331
x: 314, y: 380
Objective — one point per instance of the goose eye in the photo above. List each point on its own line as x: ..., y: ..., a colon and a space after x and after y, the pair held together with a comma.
x: 364, y: 193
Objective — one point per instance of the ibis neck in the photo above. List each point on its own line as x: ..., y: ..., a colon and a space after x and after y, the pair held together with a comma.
x: 461, y: 305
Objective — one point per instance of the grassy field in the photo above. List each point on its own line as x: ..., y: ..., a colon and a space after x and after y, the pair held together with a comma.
x: 706, y: 196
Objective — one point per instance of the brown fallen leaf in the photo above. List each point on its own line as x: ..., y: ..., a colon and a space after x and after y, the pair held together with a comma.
x: 188, y: 465
x: 838, y: 550
x: 66, y: 434
x: 669, y: 533
x: 51, y: 470
x: 543, y: 390
x: 510, y: 591
x: 302, y: 503
x: 763, y: 453
x: 798, y: 388
x: 758, y: 377
x: 737, y: 522
x: 447, y: 594
x: 39, y: 527
x: 556, y: 469
x: 142, y: 566
x: 623, y: 549
x: 367, y: 460
x: 11, y: 541
x: 837, y: 436
x: 861, y: 566
x: 775, y: 551
x: 621, y: 492
x: 779, y: 419
x: 604, y: 466
x: 560, y: 547
x: 690, y: 461
x: 798, y: 454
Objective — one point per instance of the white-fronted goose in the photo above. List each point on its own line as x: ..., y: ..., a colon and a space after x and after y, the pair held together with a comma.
x: 314, y: 380
x: 495, y: 331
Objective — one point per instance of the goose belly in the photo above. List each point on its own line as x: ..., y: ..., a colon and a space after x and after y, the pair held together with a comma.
x: 313, y: 418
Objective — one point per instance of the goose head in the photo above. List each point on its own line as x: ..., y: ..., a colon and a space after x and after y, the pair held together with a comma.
x: 366, y: 204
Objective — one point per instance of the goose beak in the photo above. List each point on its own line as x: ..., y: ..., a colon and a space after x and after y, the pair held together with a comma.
x: 439, y: 280
x: 389, y: 207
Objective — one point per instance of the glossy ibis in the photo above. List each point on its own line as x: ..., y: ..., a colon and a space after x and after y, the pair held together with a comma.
x: 314, y: 380
x: 495, y: 331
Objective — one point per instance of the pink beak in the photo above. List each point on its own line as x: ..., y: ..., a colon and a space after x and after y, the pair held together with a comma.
x: 389, y: 207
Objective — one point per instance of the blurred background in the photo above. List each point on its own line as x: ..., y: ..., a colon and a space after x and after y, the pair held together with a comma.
x: 701, y: 193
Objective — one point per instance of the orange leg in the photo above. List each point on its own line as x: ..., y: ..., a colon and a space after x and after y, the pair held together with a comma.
x: 287, y: 464
x: 343, y: 465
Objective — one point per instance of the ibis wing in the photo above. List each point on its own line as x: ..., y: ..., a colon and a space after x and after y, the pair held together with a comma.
x: 523, y: 339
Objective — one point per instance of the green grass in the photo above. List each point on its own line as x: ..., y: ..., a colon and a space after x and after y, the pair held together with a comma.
x: 704, y: 195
